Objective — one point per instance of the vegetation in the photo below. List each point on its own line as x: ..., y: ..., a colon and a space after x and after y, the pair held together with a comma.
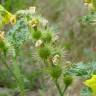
x: 34, y: 52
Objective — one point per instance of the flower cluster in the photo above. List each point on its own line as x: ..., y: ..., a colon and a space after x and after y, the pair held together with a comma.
x: 44, y: 40
x: 44, y: 43
x: 6, y: 17
x: 28, y: 25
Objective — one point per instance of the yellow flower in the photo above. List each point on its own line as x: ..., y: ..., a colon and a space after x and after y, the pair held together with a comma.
x: 10, y: 18
x: 34, y: 23
x: 91, y: 83
x: 13, y: 19
x: 7, y: 17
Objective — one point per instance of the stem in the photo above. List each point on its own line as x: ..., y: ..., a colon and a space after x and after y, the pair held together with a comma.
x: 58, y: 87
x: 45, y: 62
x: 6, y: 65
x: 20, y: 81
x: 64, y: 90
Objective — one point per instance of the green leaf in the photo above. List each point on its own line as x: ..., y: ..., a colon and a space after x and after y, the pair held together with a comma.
x: 86, y: 92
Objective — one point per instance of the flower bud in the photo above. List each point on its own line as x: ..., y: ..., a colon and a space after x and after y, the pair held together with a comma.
x: 33, y: 23
x: 47, y: 37
x: 36, y: 34
x: 68, y: 80
x: 32, y: 10
x: 56, y: 72
x: 55, y: 59
x: 56, y: 38
x: 38, y: 43
x: 44, y: 22
x: 44, y: 52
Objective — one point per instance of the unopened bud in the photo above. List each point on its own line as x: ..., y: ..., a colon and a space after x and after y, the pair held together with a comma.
x: 55, y: 59
x: 32, y: 10
x: 38, y: 43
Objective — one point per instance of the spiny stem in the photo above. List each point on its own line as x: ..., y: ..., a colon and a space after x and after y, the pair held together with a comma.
x: 20, y: 82
x: 6, y: 65
x: 64, y: 90
x: 58, y: 87
x: 13, y: 74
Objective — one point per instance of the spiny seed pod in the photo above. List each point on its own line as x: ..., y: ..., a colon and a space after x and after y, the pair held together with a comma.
x: 68, y: 80
x: 47, y: 37
x: 56, y: 72
x: 44, y: 52
x: 36, y: 34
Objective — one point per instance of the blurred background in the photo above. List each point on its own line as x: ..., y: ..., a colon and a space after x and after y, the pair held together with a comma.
x: 66, y: 16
